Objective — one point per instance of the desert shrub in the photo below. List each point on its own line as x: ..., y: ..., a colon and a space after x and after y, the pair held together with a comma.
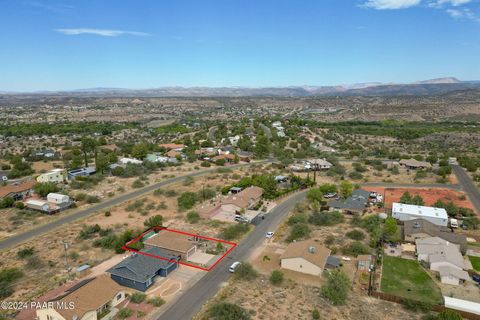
x: 355, y: 248
x: 186, y: 200
x: 92, y: 199
x: 227, y: 311
x: 26, y: 252
x: 245, y: 271
x: 138, y: 297
x: 326, y: 218
x: 124, y: 313
x: 7, y: 279
x: 355, y: 235
x: 298, y: 231
x: 156, y: 301
x: 171, y: 193
x: 315, y: 314
x: 193, y: 217
x: 297, y: 218
x: 235, y: 231
x: 337, y: 287
x: 154, y: 221
x: 276, y: 277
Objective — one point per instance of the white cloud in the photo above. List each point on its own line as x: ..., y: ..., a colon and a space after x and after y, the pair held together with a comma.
x: 391, y: 4
x: 455, y: 3
x: 462, y: 13
x: 101, y: 32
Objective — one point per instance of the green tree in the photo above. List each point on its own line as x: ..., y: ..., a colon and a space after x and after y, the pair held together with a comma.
x: 245, y: 271
x: 328, y: 188
x: 346, y: 189
x: 276, y: 277
x: 315, y: 195
x: 227, y: 311
x: 262, y: 147
x: 154, y: 221
x: 186, y: 200
x: 102, y: 162
x: 43, y: 189
x: 140, y: 150
x: 390, y: 228
x: 337, y: 287
x: 406, y: 198
x: 88, y: 145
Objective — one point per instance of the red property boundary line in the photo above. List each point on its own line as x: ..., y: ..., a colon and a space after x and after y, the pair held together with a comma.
x: 127, y: 248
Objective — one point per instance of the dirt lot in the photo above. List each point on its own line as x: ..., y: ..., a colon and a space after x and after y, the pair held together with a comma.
x: 430, y: 195
x: 296, y: 301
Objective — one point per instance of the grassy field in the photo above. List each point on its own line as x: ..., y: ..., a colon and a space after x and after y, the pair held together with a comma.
x: 406, y: 278
x: 475, y: 262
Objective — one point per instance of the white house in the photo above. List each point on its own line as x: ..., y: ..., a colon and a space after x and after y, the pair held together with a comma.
x: 39, y: 205
x: 234, y: 140
x: 276, y: 124
x: 58, y: 199
x: 54, y: 176
x: 406, y: 212
x: 130, y: 160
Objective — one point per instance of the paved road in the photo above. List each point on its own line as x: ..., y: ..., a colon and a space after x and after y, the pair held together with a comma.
x: 468, y: 186
x: 412, y: 185
x: 193, y: 299
x: 211, y: 133
x: 22, y: 237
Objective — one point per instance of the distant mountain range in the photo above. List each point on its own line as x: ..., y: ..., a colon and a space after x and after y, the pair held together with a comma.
x: 427, y: 87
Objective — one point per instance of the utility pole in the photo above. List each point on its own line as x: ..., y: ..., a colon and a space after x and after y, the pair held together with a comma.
x: 65, y: 247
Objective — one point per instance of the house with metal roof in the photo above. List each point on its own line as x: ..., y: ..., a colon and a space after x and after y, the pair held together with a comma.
x: 405, y: 212
x: 140, y: 269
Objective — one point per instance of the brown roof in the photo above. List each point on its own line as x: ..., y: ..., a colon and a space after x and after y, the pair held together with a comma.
x: 5, y: 191
x: 90, y: 296
x: 301, y: 249
x: 172, y: 153
x: 244, y: 197
x: 170, y: 146
x: 228, y: 156
x: 170, y: 240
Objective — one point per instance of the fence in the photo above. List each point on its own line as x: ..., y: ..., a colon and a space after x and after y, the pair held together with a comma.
x: 436, y: 308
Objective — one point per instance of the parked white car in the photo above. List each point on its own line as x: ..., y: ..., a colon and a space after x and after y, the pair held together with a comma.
x: 269, y: 234
x: 234, y: 266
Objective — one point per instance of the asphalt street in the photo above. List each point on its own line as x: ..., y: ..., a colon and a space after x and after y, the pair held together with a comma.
x: 64, y: 220
x: 193, y: 299
x: 468, y: 186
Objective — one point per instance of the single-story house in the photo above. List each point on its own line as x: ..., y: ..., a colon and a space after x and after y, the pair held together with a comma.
x: 453, y: 276
x: 172, y: 146
x: 173, y: 243
x: 54, y: 176
x: 421, y: 228
x: 406, y: 212
x: 244, y: 199
x: 38, y: 205
x: 17, y: 191
x: 138, y: 271
x: 306, y: 257
x: 125, y: 161
x: 438, y: 253
x: 355, y: 204
x: 227, y: 157
x: 91, y: 298
x: 414, y: 164
x: 60, y: 200
x: 364, y: 261
x: 318, y: 164
x: 173, y: 153
x: 244, y: 156
x: 82, y: 172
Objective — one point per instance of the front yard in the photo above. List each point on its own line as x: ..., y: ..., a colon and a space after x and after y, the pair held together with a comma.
x: 475, y: 262
x: 406, y: 278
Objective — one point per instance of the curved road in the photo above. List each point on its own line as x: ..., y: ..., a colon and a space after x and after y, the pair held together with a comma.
x: 47, y: 227
x: 468, y: 186
x: 192, y: 300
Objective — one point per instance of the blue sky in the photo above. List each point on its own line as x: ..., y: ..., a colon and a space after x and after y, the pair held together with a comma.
x: 59, y: 45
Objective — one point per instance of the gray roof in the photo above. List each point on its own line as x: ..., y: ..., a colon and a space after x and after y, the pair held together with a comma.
x: 416, y: 226
x: 333, y: 262
x: 139, y: 267
x: 357, y: 201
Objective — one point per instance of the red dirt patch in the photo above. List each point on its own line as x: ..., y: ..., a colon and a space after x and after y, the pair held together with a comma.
x: 430, y: 195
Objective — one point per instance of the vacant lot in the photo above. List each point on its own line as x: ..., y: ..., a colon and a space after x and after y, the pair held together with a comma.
x: 406, y: 278
x: 430, y: 195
